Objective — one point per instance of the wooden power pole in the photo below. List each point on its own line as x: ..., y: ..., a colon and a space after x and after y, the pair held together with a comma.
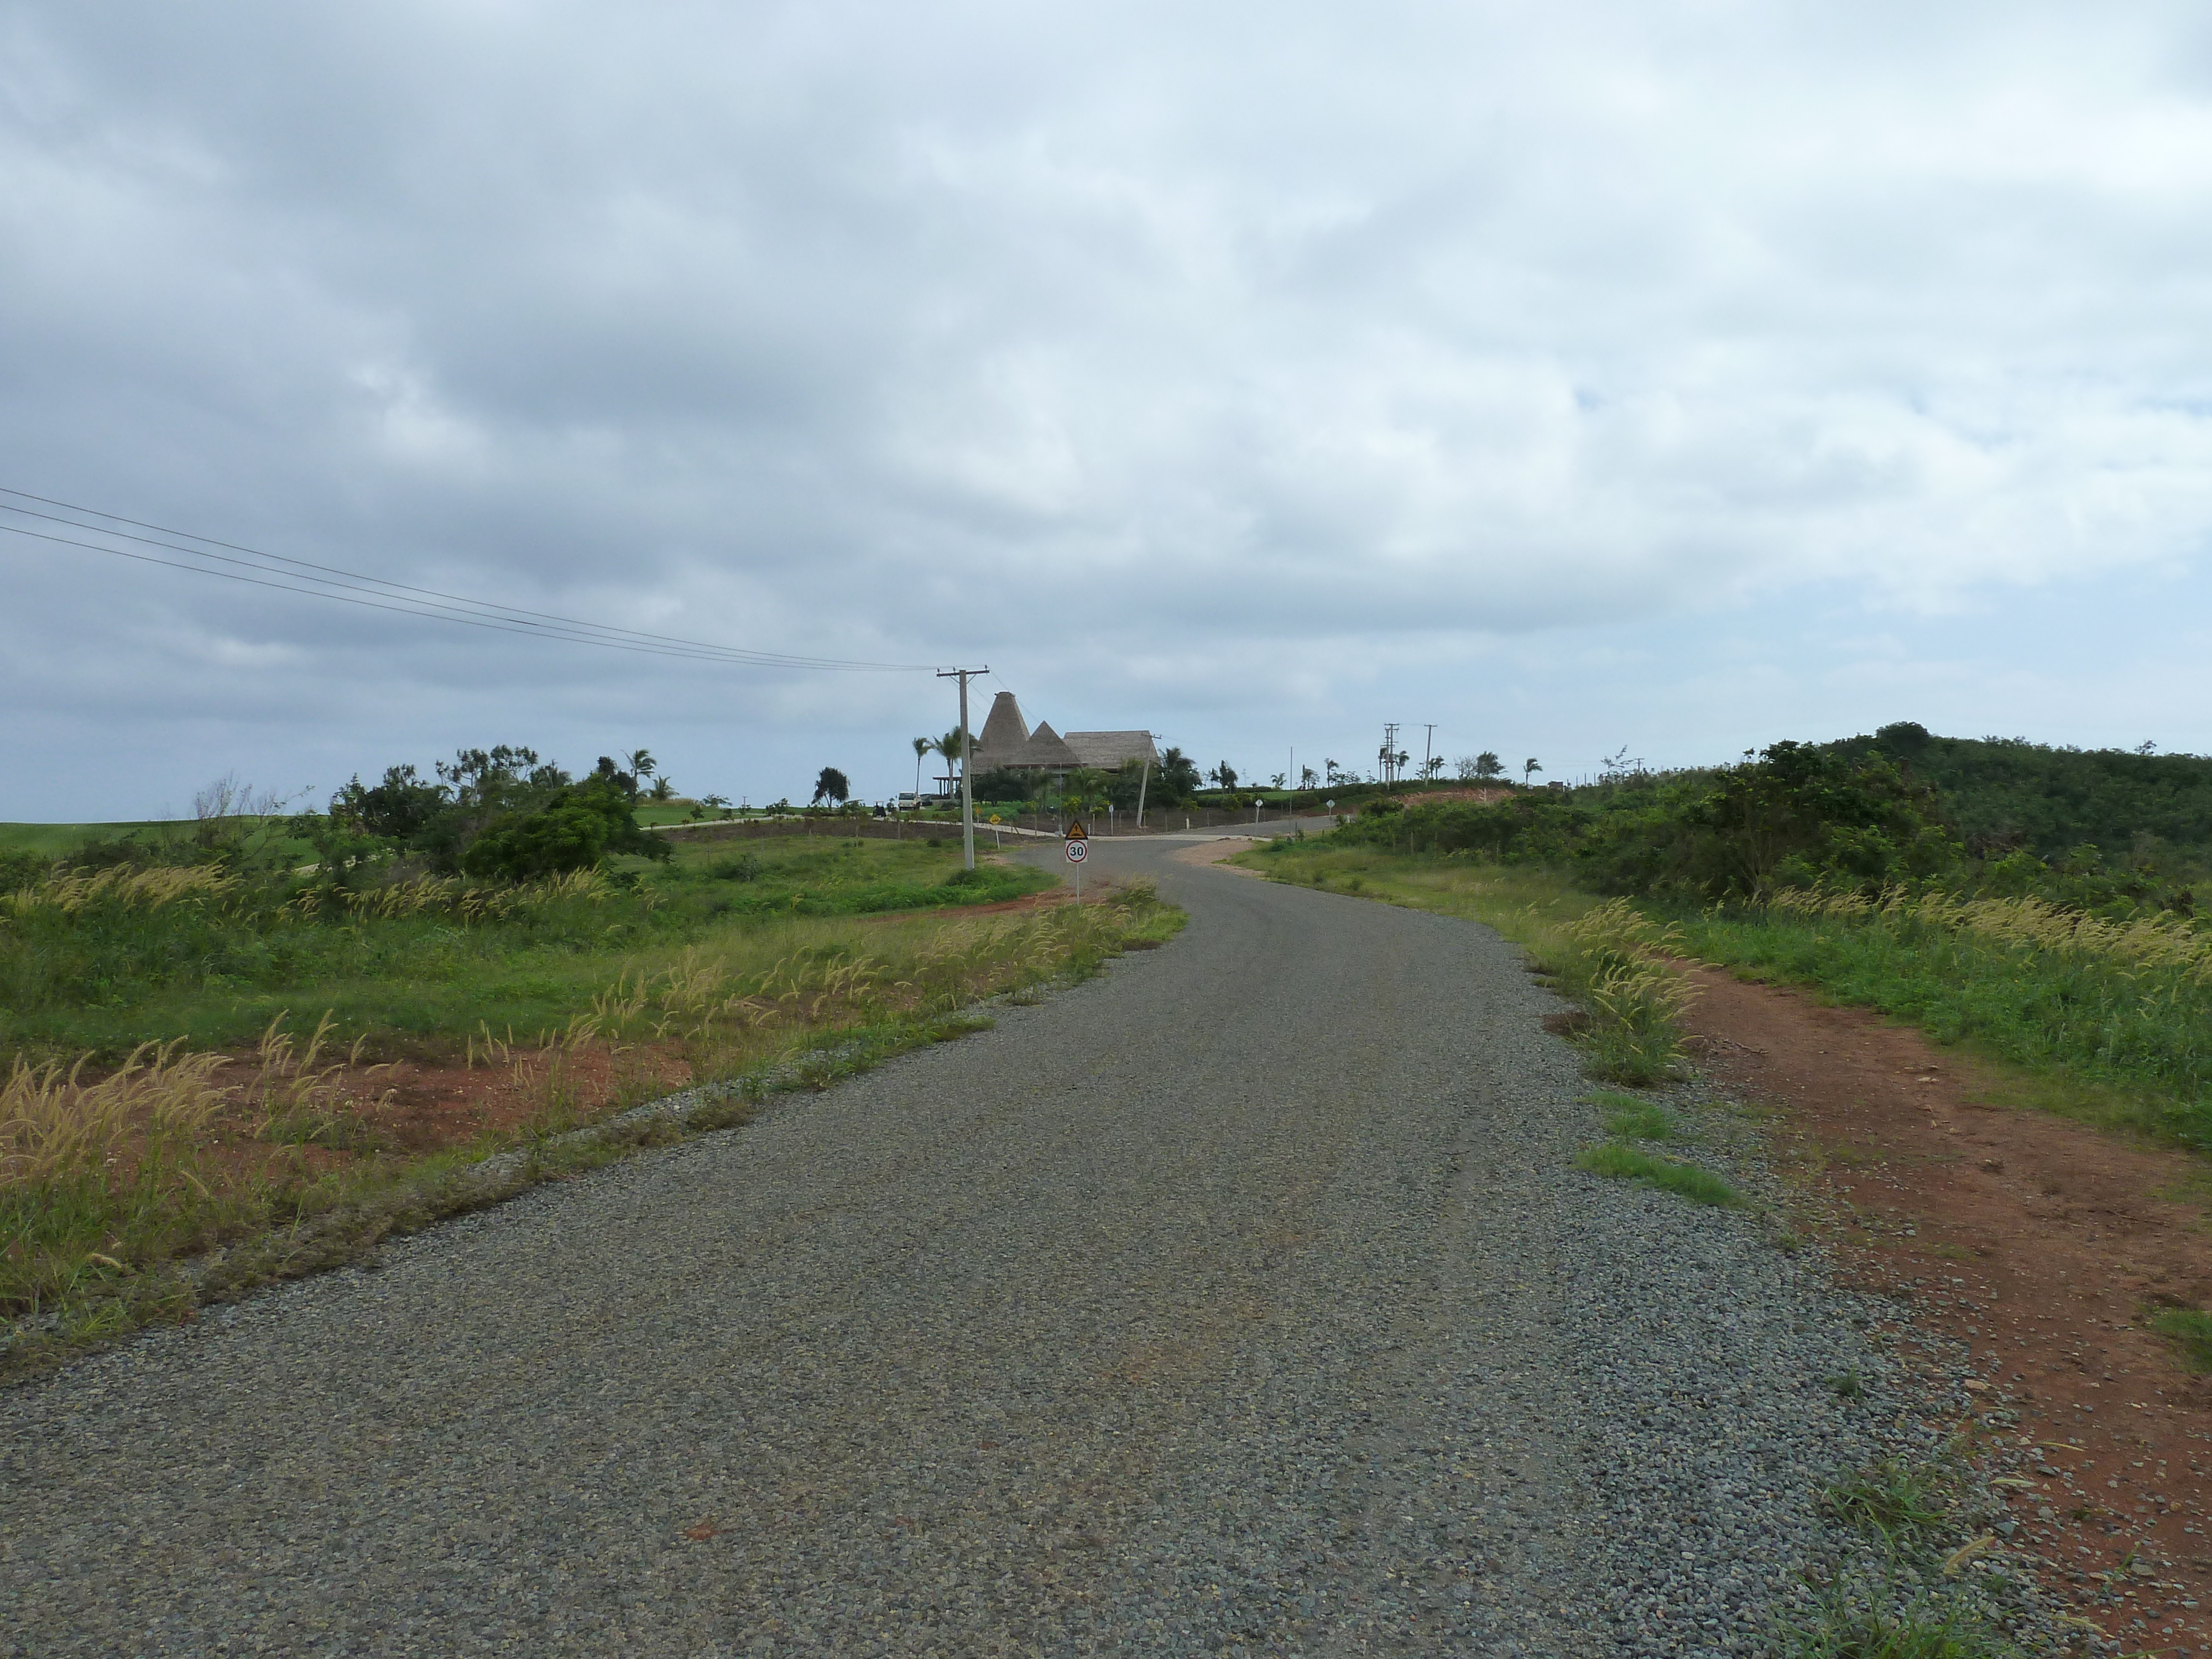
x: 967, y: 788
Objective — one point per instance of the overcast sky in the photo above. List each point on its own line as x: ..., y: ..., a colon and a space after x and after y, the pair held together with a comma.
x: 1572, y: 375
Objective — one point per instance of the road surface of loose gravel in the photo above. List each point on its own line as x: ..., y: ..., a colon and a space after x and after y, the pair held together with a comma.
x: 1242, y: 1300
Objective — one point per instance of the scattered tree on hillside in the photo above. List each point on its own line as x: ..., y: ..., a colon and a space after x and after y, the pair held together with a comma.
x: 1529, y: 768
x: 922, y: 748
x: 1224, y: 774
x: 831, y: 785
x: 1307, y: 780
x: 1433, y: 768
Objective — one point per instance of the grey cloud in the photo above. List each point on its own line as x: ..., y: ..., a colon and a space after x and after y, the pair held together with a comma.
x: 1158, y: 343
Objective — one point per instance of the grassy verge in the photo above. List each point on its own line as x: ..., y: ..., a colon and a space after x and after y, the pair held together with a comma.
x: 2095, y: 1027
x: 2108, y: 1025
x: 1602, y: 955
x: 115, y: 1174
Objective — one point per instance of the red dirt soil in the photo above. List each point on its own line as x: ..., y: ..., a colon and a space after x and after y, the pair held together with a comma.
x: 2043, y: 1245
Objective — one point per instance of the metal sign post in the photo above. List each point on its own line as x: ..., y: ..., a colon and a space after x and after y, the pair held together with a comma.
x: 1079, y: 844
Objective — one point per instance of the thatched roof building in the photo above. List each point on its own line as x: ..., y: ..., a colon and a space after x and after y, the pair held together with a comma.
x: 1006, y: 741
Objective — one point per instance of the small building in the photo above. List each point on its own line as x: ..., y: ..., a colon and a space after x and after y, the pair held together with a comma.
x: 1006, y: 741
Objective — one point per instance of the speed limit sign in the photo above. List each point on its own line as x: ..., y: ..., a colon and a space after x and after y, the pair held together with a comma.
x: 1075, y: 851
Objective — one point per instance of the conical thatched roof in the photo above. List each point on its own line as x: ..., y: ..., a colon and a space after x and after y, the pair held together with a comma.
x: 1045, y: 748
x: 1004, y: 733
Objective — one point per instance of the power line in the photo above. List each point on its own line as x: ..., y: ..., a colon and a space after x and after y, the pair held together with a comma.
x: 400, y: 597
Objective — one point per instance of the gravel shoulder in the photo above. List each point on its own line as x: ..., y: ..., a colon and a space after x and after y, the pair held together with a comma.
x: 1243, y: 1299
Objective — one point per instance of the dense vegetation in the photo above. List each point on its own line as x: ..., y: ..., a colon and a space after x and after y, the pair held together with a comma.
x: 1834, y: 816
x: 2003, y: 794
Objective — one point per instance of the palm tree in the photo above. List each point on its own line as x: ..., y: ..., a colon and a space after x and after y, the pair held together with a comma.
x: 922, y: 748
x: 949, y: 747
x: 1082, y: 791
x: 1529, y: 768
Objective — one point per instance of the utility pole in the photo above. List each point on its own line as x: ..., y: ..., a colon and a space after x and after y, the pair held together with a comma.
x: 1389, y: 752
x: 967, y: 788
x: 1428, y: 750
x: 1143, y: 778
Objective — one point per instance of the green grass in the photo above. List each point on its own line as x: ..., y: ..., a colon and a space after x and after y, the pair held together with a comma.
x: 1620, y: 1162
x: 1627, y: 1118
x: 2115, y: 1044
x: 53, y: 839
x: 1907, y: 1507
x: 106, y: 978
x: 1862, y: 1627
x: 2190, y: 1330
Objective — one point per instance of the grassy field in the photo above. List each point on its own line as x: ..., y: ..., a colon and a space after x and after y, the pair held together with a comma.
x: 414, y: 969
x: 193, y: 1058
x: 53, y: 839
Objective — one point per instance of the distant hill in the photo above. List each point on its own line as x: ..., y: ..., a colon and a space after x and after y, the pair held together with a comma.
x: 2008, y: 792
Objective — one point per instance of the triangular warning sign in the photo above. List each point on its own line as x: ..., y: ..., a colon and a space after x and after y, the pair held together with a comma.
x: 1076, y: 831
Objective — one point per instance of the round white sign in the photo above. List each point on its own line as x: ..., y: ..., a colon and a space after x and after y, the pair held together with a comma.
x: 1075, y: 851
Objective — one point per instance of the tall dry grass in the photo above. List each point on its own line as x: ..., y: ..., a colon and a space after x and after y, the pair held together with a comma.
x: 1620, y: 965
x: 54, y: 1125
x: 122, y: 886
x: 2164, y: 940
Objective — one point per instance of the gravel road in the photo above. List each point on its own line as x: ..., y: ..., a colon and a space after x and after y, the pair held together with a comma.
x: 1243, y: 1300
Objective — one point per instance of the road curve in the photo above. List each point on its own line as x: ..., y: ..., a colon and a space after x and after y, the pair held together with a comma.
x: 1242, y: 1300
